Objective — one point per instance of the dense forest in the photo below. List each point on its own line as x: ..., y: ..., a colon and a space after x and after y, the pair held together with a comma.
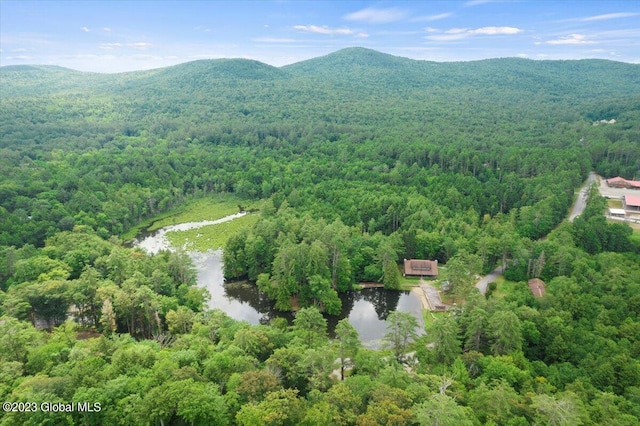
x: 362, y: 159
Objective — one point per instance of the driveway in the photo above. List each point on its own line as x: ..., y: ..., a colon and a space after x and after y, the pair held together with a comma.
x: 581, y: 201
x: 488, y: 279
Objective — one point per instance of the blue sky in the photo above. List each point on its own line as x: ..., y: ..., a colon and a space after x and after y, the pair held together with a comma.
x: 116, y: 36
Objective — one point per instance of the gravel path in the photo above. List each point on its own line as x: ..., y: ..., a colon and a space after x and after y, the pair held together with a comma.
x: 488, y: 279
x: 581, y: 201
x: 428, y: 295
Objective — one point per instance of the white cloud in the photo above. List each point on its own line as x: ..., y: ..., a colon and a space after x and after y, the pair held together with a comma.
x: 85, y: 29
x: 272, y: 40
x: 461, y: 33
x: 609, y: 16
x: 109, y: 46
x: 495, y: 31
x: 323, y: 30
x: 106, y: 29
x: 430, y: 18
x: 138, y: 46
x: 570, y: 39
x: 376, y: 16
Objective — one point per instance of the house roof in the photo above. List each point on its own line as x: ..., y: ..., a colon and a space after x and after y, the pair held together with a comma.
x: 616, y: 179
x: 621, y: 180
x: 537, y: 287
x: 617, y: 211
x: 632, y: 200
x: 421, y: 267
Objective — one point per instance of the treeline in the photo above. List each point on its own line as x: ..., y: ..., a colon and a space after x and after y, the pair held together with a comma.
x: 100, y: 284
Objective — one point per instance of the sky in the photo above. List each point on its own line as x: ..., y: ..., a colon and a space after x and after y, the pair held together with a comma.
x: 118, y: 36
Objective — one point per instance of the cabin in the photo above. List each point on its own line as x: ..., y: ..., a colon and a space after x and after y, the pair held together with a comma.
x: 420, y: 268
x: 631, y: 203
x: 537, y: 287
x: 619, y: 182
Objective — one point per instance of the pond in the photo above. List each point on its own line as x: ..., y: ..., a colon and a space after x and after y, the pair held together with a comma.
x: 366, y: 309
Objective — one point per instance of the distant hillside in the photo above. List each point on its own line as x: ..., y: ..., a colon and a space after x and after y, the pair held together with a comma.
x: 353, y: 67
x: 581, y: 78
x: 351, y: 87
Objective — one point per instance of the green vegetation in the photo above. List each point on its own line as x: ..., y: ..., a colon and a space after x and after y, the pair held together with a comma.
x: 502, y: 288
x: 357, y: 160
x: 210, y: 208
x: 210, y: 237
x: 613, y: 203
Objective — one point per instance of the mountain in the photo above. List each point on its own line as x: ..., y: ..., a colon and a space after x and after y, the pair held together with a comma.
x: 365, y: 67
x: 352, y: 70
x: 350, y: 87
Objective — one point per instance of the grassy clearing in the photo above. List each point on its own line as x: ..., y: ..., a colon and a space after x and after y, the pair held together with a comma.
x: 205, y: 209
x: 210, y: 208
x: 210, y: 237
x: 505, y: 287
x: 407, y: 283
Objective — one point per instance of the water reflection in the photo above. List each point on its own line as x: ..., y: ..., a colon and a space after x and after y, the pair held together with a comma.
x: 366, y: 309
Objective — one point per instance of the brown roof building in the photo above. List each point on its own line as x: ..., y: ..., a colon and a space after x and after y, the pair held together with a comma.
x: 536, y: 285
x: 420, y: 268
x: 619, y: 182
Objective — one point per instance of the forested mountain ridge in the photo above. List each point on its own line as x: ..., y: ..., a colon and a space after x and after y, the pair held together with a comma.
x: 361, y: 159
x: 366, y: 65
x: 351, y: 68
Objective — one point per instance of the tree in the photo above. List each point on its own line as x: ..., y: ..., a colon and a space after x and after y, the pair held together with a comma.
x: 318, y: 365
x: 84, y: 296
x: 498, y: 403
x: 180, y: 320
x: 347, y: 343
x: 461, y: 270
x: 560, y: 410
x: 505, y: 332
x: 253, y: 386
x: 49, y: 301
x: 402, y: 331
x: 388, y: 257
x: 475, y: 333
x: 441, y: 410
x: 445, y: 339
x: 279, y: 408
x: 16, y: 338
x: 335, y: 237
x: 108, y: 318
x: 186, y: 400
x: 311, y: 326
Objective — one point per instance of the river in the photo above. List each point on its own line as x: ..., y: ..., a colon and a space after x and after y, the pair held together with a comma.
x: 366, y: 309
